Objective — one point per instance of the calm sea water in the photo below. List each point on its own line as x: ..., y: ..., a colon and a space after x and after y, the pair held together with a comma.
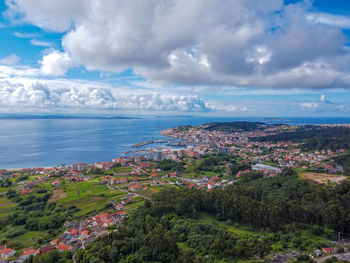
x: 51, y: 142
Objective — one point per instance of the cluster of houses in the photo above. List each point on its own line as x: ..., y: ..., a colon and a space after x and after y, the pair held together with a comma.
x: 75, y: 235
x: 289, y: 155
x: 203, y: 183
x: 7, y: 254
x: 284, y: 154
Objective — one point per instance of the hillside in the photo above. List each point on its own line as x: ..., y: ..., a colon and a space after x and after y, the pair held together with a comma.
x: 252, y: 219
x: 314, y: 137
x: 235, y: 126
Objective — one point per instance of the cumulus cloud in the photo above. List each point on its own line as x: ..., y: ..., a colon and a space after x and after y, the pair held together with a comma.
x: 17, y: 71
x: 69, y: 95
x: 233, y: 42
x: 10, y: 60
x: 309, y: 105
x: 227, y: 107
x: 40, y: 43
x: 55, y: 63
x: 329, y: 19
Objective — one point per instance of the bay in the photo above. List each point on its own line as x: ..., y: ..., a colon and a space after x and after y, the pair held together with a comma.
x: 40, y: 141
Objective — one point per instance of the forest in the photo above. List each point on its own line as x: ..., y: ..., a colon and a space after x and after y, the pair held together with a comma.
x: 34, y: 213
x: 167, y: 230
x: 235, y: 126
x: 314, y: 137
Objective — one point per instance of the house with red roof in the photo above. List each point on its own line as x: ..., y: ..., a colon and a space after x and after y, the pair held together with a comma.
x: 134, y: 187
x: 55, y: 242
x: 328, y: 250
x: 108, y: 222
x: 123, y: 213
x: 84, y: 233
x: 63, y: 247
x: 191, y: 185
x: 27, y: 252
x: 7, y: 253
x: 73, y: 232
x: 211, y: 185
x: 25, y: 191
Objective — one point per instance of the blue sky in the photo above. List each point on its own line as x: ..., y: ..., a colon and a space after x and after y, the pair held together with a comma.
x: 241, y: 58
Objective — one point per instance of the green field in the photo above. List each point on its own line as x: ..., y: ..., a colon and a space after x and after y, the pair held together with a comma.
x: 119, y: 170
x: 6, y: 206
x: 87, y: 196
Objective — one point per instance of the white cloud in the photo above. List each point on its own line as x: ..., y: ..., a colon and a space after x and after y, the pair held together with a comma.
x: 40, y: 43
x: 18, y: 71
x: 24, y: 35
x: 228, y: 107
x: 309, y: 105
x: 52, y: 15
x: 13, y: 59
x: 55, y: 63
x: 225, y: 42
x: 328, y: 19
x: 46, y: 95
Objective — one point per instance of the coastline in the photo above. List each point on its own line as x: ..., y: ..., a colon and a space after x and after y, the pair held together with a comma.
x: 50, y: 143
x: 17, y: 169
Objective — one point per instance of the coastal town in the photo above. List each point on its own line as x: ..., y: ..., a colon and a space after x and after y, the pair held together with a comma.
x: 131, y: 180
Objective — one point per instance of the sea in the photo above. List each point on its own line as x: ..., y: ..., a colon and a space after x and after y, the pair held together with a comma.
x: 46, y: 141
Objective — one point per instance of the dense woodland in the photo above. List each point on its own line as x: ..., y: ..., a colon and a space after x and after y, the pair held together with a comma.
x: 52, y: 256
x: 235, y: 126
x: 167, y: 230
x: 314, y: 137
x: 34, y: 213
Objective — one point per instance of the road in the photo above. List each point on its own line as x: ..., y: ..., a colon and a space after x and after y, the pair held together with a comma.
x: 340, y: 256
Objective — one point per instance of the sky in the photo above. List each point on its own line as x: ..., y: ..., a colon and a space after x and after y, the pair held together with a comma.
x: 218, y: 58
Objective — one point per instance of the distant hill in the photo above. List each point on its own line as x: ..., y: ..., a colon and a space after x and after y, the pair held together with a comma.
x: 314, y: 137
x: 235, y: 126
x: 59, y: 117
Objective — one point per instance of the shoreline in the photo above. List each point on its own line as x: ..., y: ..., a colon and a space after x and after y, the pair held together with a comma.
x: 130, y: 147
x: 17, y: 169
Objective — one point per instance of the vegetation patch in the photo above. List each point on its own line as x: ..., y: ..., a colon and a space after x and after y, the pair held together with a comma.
x: 323, y: 178
x: 57, y: 194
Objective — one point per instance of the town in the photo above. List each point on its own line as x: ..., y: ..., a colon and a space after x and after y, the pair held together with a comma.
x: 100, y: 196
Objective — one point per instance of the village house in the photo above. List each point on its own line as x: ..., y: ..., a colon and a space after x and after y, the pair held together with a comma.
x: 134, y: 187
x: 6, y: 253
x: 79, y: 166
x: 103, y: 165
x: 119, y: 180
x: 56, y: 182
x: 27, y: 252
x: 62, y: 247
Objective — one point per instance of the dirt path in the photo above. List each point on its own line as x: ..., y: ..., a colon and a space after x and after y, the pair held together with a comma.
x: 341, y: 256
x: 323, y: 178
x: 57, y: 195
